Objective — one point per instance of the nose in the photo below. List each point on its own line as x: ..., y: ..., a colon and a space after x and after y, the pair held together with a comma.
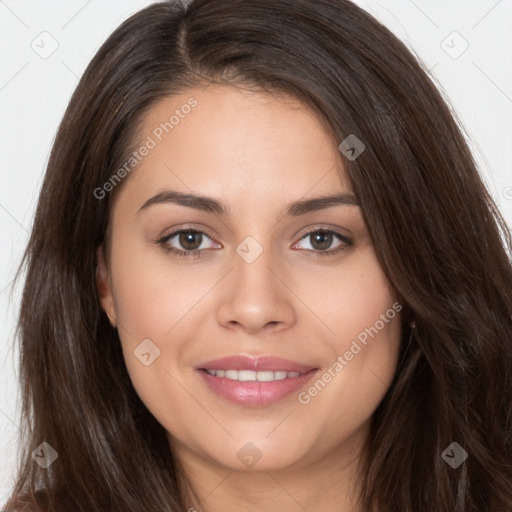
x: 256, y: 296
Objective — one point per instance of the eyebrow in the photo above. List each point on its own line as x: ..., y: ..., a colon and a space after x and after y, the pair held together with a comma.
x: 211, y: 205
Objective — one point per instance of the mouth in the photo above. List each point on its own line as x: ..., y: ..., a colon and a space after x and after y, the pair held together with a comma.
x: 252, y: 376
x: 254, y: 380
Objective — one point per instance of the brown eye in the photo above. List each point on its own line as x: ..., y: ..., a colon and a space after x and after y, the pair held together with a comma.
x: 186, y: 242
x: 190, y: 240
x: 321, y: 241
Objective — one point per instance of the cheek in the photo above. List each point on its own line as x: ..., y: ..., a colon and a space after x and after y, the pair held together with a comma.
x: 363, y: 315
x: 154, y: 301
x: 150, y: 300
x: 151, y: 294
x: 353, y: 301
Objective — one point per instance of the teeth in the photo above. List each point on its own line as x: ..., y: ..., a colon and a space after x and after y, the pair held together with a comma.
x: 231, y: 374
x: 251, y: 376
x: 245, y: 375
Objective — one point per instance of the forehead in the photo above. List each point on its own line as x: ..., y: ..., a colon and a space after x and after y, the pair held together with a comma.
x: 231, y: 143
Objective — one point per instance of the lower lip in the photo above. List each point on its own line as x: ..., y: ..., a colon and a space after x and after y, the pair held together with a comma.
x: 254, y: 393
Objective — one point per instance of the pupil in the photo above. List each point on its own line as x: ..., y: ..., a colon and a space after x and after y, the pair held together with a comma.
x: 187, y: 239
x: 324, y: 240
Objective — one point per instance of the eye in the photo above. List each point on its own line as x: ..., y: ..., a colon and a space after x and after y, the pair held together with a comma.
x: 190, y: 242
x: 321, y: 241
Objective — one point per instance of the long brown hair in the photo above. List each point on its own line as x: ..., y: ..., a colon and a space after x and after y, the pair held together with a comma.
x: 437, y: 233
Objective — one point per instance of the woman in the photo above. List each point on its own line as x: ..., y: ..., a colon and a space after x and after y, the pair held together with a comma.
x: 264, y: 274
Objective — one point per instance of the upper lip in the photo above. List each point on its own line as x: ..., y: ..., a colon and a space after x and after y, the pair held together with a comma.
x: 255, y: 363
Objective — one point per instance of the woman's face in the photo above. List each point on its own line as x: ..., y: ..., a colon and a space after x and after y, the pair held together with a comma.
x: 280, y: 275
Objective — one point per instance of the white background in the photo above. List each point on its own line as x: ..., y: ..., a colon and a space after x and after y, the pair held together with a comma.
x: 34, y: 92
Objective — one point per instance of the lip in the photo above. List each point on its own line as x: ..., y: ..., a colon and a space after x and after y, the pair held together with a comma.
x: 255, y: 363
x: 255, y: 393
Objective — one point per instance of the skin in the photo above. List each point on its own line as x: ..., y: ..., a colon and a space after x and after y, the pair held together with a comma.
x: 256, y: 153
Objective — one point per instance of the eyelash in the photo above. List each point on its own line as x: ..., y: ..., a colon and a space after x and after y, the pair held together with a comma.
x: 347, y: 243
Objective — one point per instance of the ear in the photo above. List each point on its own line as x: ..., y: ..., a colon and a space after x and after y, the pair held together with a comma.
x: 104, y: 288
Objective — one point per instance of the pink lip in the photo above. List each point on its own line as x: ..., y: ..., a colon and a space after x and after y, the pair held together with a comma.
x: 255, y: 393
